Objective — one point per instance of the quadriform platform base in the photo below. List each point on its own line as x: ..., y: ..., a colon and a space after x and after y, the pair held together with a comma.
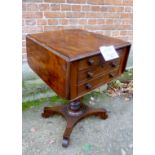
x: 73, y: 113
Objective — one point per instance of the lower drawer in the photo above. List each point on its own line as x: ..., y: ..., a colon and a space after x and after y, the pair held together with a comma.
x: 94, y: 83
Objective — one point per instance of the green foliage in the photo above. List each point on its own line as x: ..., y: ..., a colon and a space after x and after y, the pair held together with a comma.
x: 57, y: 99
x: 30, y: 104
x: 115, y: 84
x: 87, y: 97
x: 35, y: 103
x: 127, y: 75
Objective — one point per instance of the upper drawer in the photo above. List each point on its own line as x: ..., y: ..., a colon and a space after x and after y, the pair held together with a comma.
x: 94, y: 61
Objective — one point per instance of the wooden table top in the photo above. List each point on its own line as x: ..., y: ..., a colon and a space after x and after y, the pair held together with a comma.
x: 75, y: 44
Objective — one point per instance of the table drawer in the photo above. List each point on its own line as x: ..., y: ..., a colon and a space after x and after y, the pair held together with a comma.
x: 94, y: 60
x: 89, y: 62
x: 95, y: 71
x: 96, y: 82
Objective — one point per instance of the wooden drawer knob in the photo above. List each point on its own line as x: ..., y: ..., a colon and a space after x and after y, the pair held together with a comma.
x: 90, y: 61
x: 88, y: 86
x: 111, y: 75
x: 113, y: 64
x: 90, y: 74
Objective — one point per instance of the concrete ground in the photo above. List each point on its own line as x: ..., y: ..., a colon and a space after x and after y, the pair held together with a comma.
x: 91, y: 136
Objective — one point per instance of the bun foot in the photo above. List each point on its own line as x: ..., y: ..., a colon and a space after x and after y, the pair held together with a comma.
x: 103, y: 115
x: 45, y: 115
x: 65, y: 142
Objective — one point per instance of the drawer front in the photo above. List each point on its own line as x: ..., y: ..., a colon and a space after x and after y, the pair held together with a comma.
x: 96, y: 82
x: 89, y: 62
x: 94, y: 61
x: 95, y: 71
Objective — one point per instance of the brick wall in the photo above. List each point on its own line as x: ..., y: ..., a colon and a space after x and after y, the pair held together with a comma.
x: 109, y: 17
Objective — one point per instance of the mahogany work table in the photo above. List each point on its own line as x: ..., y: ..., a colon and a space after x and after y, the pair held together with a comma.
x: 70, y: 63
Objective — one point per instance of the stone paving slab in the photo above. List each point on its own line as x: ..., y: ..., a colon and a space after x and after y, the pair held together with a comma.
x: 91, y: 136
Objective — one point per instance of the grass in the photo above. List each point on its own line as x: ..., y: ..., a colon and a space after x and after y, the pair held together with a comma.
x: 127, y: 75
x: 51, y: 100
x: 29, y: 104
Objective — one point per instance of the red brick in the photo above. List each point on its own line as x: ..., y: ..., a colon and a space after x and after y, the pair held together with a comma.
x: 98, y: 27
x: 86, y: 8
x: 130, y: 33
x: 23, y: 36
x: 124, y: 27
x: 32, y: 29
x: 128, y: 2
x: 101, y: 21
x: 75, y: 14
x: 95, y: 1
x: 92, y: 21
x: 115, y: 9
x: 52, y: 22
x: 113, y: 2
x: 44, y: 7
x: 130, y: 39
x: 23, y: 43
x: 112, y: 15
x: 76, y: 7
x: 30, y: 22
x: 128, y: 9
x: 107, y: 32
x: 76, y: 1
x: 115, y: 33
x: 32, y: 14
x: 109, y: 21
x: 126, y: 15
x: 54, y: 14
x: 74, y: 27
x: 65, y: 7
x: 24, y: 56
x: 127, y: 22
x: 42, y: 22
x: 123, y: 38
x: 23, y: 22
x: 32, y: 7
x: 124, y: 33
x: 23, y: 6
x: 117, y: 21
x: 73, y: 21
x: 23, y: 50
x: 55, y: 1
x: 55, y: 7
x: 83, y: 21
x: 30, y: 1
x: 63, y: 21
x: 104, y: 8
x: 49, y: 28
x: 96, y: 8
x: 94, y: 15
